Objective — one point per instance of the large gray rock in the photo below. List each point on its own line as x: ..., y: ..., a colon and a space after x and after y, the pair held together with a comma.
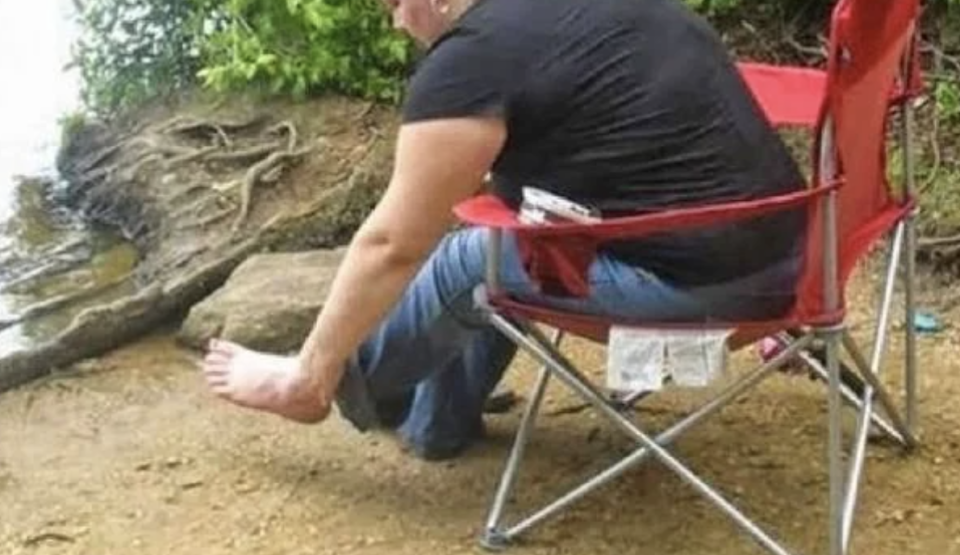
x: 269, y: 302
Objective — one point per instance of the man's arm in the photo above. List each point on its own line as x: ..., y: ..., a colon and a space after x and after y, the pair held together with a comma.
x: 438, y: 164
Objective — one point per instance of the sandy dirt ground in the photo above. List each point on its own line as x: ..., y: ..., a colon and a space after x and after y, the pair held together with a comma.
x: 129, y: 454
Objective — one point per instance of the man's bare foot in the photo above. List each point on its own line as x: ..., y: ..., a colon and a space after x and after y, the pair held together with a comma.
x: 265, y: 382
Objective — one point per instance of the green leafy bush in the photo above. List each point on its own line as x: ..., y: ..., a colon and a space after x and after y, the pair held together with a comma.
x: 132, y: 50
x: 298, y: 46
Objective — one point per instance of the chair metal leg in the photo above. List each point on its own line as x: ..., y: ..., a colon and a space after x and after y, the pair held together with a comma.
x: 493, y: 539
x: 627, y: 402
x: 563, y: 370
x: 870, y: 372
x: 910, y: 264
x: 665, y: 438
x: 910, y: 343
x: 831, y: 339
x: 856, y: 464
x: 876, y: 388
x: 851, y: 398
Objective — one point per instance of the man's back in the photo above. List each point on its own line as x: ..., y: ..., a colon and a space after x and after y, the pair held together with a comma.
x: 625, y: 105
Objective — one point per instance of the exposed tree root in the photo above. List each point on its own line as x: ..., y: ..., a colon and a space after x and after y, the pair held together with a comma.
x: 266, y: 160
x: 244, y: 156
x: 192, y: 127
x: 99, y: 157
x: 131, y: 173
x: 208, y: 219
x: 273, y: 162
x: 198, y: 154
x: 291, y: 132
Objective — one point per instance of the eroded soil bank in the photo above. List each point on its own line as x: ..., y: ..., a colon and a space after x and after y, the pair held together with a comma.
x: 198, y: 187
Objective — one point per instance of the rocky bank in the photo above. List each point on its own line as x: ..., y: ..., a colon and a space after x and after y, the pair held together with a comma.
x: 201, y: 186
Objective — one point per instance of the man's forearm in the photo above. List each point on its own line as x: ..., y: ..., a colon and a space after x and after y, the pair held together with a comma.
x: 371, y: 279
x: 438, y: 165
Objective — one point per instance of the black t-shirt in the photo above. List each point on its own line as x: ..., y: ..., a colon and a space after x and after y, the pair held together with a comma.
x: 626, y: 106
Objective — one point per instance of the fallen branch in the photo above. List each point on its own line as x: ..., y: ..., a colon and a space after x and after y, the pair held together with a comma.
x: 567, y: 410
x: 44, y: 537
x: 57, y: 266
x: 93, y: 331
x: 61, y: 301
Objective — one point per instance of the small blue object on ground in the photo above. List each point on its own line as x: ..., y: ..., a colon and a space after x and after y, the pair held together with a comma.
x: 924, y: 322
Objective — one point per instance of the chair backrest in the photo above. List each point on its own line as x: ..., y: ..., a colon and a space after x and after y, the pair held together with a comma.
x: 869, y: 41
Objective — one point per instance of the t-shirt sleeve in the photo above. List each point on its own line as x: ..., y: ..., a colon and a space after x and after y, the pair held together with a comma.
x: 462, y: 76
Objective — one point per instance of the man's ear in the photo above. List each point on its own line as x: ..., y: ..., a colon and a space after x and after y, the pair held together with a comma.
x: 442, y: 7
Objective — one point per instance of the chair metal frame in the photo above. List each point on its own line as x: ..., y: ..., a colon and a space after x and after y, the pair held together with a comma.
x: 875, y: 407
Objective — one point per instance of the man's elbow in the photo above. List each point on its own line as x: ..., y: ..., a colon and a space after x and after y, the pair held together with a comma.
x: 393, y: 249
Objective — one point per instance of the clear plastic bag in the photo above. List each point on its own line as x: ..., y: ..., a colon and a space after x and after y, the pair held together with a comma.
x: 639, y: 359
x: 697, y: 357
x: 635, y: 359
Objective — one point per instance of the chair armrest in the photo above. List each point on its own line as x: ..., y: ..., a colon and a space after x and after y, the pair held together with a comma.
x: 787, y: 95
x: 490, y: 211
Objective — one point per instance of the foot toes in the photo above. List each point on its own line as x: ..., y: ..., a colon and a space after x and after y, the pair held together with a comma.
x: 215, y: 367
x: 216, y: 379
x: 222, y: 347
x: 218, y: 359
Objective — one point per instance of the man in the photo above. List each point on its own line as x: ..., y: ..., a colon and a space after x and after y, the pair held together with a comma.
x: 622, y: 105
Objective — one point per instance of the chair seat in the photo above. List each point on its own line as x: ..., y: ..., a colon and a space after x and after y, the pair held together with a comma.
x: 597, y: 328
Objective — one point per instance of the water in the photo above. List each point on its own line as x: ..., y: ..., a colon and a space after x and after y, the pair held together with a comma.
x: 36, y: 238
x: 35, y: 40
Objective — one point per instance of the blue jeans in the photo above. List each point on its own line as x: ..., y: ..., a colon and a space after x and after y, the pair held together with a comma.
x: 431, y: 364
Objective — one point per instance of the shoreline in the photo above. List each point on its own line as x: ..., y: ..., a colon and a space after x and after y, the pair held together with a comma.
x: 195, y: 209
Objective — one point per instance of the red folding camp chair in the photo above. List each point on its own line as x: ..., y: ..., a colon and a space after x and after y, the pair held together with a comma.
x: 871, y: 73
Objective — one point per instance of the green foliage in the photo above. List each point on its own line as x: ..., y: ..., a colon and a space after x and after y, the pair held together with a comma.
x: 947, y: 96
x: 132, y: 50
x: 299, y: 46
x: 70, y: 124
x: 713, y: 7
